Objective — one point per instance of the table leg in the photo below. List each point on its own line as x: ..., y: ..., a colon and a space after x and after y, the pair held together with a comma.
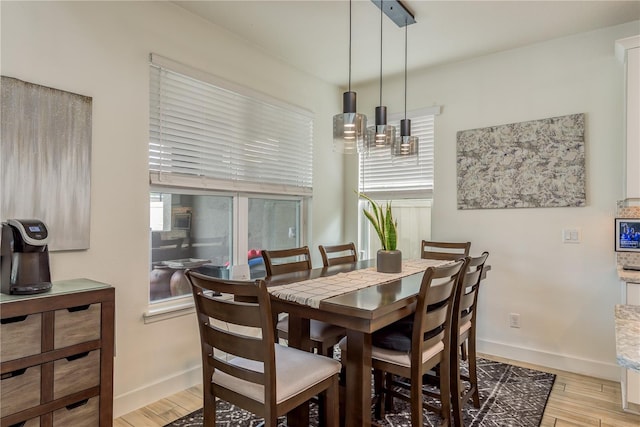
x: 299, y: 338
x: 358, y: 372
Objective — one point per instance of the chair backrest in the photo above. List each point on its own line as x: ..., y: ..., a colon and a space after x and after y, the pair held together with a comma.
x: 240, y: 326
x: 444, y: 250
x: 467, y: 295
x: 432, y: 320
x: 286, y: 260
x: 338, y: 254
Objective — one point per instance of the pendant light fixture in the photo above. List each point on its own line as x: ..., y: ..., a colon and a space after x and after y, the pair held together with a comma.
x: 381, y: 135
x: 349, y: 126
x: 406, y: 145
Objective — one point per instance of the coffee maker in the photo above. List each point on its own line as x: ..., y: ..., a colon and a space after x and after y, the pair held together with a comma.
x: 24, y: 257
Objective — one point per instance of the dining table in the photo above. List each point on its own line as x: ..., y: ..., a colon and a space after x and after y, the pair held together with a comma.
x: 356, y: 297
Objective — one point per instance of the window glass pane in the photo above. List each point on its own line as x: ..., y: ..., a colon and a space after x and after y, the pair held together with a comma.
x: 188, y: 231
x: 273, y: 224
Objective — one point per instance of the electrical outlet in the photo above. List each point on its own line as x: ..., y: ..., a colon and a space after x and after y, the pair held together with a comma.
x: 514, y: 320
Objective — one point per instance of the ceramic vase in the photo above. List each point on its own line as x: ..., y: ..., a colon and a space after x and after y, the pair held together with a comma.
x: 389, y: 261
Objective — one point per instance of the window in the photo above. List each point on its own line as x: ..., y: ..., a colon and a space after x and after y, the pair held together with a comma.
x: 229, y: 169
x: 408, y: 183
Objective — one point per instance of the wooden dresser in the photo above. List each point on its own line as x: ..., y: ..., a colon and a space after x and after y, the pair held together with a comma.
x: 56, y: 356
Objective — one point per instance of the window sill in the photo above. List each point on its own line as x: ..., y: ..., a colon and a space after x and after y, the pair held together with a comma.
x: 169, y: 309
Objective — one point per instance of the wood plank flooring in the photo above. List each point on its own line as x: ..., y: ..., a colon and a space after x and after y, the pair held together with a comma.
x: 575, y: 400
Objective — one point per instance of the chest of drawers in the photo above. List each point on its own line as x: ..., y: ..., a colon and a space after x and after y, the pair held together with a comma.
x: 56, y: 356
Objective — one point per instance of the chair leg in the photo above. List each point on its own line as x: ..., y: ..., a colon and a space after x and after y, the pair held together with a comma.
x: 416, y: 402
x: 378, y: 392
x: 463, y: 351
x: 209, y: 410
x: 388, y: 398
x: 456, y: 387
x: 331, y: 407
x: 445, y: 390
x: 473, y: 371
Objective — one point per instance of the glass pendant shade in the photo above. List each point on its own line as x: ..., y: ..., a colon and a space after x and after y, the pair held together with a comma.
x: 406, y: 145
x: 349, y: 127
x: 381, y: 135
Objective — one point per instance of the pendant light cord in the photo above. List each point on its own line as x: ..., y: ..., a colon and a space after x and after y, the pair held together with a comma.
x: 349, y: 45
x: 381, y: 8
x: 406, y: 26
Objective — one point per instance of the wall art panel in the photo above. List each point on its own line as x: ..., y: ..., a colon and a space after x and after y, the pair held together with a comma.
x: 45, y: 152
x: 539, y: 163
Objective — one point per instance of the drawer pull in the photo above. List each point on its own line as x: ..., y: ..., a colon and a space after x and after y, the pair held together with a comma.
x: 15, y: 373
x: 78, y: 308
x: 13, y: 319
x: 77, y: 356
x: 77, y: 404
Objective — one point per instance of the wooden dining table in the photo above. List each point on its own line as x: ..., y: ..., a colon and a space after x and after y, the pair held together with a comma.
x: 361, y: 312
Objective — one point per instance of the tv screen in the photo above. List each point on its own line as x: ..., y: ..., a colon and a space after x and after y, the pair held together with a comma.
x: 627, y: 234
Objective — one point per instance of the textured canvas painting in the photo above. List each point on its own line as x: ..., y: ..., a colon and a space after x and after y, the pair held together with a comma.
x: 45, y: 153
x: 539, y: 163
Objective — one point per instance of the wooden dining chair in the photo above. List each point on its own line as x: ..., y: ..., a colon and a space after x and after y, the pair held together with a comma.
x: 444, y: 250
x: 324, y: 336
x: 338, y: 254
x: 430, y: 346
x: 464, y: 321
x: 241, y: 362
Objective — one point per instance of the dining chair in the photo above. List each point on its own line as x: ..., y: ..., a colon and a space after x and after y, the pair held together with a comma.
x: 464, y: 321
x: 242, y: 364
x: 444, y: 250
x: 338, y: 254
x: 324, y: 336
x: 430, y: 346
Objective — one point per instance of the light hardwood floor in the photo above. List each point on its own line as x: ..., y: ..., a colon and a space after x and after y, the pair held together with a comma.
x: 575, y: 400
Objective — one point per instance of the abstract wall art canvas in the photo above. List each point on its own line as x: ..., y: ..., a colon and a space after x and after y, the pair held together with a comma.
x: 534, y: 164
x: 45, y: 154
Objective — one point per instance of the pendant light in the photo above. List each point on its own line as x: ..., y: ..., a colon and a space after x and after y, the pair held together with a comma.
x: 349, y: 126
x: 406, y: 145
x: 381, y: 135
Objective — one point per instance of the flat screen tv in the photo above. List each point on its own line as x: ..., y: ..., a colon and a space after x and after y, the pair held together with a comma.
x: 181, y: 221
x: 627, y: 234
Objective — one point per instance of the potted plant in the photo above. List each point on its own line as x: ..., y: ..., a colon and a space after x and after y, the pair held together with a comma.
x: 389, y: 258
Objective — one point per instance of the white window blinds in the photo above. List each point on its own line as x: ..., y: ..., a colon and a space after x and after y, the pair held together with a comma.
x: 383, y: 176
x: 206, y: 133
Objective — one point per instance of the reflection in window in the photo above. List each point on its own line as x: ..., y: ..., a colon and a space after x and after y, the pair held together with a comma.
x: 273, y: 224
x: 188, y: 231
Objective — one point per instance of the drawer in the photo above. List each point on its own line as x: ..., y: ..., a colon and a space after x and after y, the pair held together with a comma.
x: 19, y: 390
x: 76, y: 373
x: 20, y: 336
x: 76, y: 325
x: 85, y: 413
x: 33, y: 422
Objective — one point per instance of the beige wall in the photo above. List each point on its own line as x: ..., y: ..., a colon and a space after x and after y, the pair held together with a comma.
x: 101, y: 49
x: 565, y: 293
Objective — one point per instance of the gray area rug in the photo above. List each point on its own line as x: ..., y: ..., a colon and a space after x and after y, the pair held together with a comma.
x: 509, y: 396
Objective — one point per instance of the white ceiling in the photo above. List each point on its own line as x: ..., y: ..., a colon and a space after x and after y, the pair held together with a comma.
x: 313, y: 36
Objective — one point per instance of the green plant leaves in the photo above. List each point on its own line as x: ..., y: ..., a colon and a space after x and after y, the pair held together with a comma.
x: 382, y: 221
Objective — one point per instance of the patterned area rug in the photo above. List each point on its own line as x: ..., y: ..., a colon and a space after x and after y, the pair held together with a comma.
x: 509, y: 396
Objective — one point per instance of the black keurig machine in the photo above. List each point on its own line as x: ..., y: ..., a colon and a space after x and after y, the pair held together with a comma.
x: 24, y: 257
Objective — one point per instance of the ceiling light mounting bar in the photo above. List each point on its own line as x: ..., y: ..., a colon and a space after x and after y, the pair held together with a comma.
x: 396, y: 11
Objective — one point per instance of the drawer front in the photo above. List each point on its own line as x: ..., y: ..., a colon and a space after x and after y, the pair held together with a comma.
x: 76, y: 373
x: 19, y: 390
x: 33, y: 422
x: 82, y: 414
x: 20, y: 337
x: 76, y: 325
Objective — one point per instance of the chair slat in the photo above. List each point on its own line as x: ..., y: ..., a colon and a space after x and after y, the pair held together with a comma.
x: 256, y: 377
x: 238, y: 313
x: 444, y: 250
x: 346, y: 253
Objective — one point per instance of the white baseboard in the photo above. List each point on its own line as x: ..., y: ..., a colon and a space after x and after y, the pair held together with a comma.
x: 564, y: 362
x: 143, y: 396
